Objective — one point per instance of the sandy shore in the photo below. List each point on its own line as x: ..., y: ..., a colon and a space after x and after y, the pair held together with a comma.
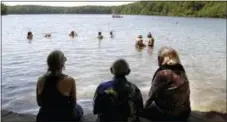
x: 196, y: 116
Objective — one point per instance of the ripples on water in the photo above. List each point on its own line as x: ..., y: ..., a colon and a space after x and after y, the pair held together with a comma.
x: 201, y: 44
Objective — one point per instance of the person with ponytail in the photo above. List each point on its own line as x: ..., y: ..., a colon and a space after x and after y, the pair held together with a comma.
x: 56, y: 93
x: 118, y: 99
x: 169, y: 96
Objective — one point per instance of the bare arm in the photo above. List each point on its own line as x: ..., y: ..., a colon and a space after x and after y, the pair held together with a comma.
x: 39, y: 88
x: 73, y: 91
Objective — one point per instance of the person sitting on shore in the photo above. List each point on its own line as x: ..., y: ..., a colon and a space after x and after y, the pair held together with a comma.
x: 56, y: 93
x: 72, y: 34
x: 111, y: 34
x: 100, y: 35
x: 151, y: 42
x: 47, y: 35
x: 118, y: 99
x: 139, y: 41
x: 149, y: 35
x: 169, y: 96
x: 29, y: 35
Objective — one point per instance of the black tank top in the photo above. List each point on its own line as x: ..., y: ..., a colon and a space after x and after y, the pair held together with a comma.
x: 54, y: 105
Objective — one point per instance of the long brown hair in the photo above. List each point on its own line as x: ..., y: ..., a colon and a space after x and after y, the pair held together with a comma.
x: 56, y: 61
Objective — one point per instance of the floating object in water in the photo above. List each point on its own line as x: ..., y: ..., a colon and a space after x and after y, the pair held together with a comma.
x: 117, y: 16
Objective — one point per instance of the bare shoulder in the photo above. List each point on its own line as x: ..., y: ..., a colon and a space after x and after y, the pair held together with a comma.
x: 69, y: 79
x: 40, y: 80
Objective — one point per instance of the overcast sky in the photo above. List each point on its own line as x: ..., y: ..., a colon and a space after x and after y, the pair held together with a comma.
x: 67, y: 3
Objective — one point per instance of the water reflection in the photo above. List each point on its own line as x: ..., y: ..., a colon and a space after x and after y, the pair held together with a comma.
x: 139, y: 49
x: 99, y: 43
x: 29, y: 41
x: 150, y: 50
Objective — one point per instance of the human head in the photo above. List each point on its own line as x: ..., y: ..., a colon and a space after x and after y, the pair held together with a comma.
x: 29, y: 33
x: 99, y: 33
x: 140, y: 36
x: 56, y: 61
x: 120, y: 68
x: 111, y: 33
x: 149, y: 33
x: 168, y: 56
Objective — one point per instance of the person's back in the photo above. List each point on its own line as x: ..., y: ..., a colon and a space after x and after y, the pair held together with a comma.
x: 118, y: 100
x: 56, y: 93
x: 169, y: 96
x: 54, y: 105
x: 174, y: 98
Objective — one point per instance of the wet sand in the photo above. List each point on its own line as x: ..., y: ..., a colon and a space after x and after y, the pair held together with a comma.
x: 196, y: 116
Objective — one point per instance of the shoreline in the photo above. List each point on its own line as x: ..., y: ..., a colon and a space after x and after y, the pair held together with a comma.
x: 196, y: 116
x: 202, y: 17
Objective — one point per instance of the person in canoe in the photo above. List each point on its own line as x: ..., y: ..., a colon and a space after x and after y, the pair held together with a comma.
x: 100, y: 36
x: 29, y: 35
x: 139, y: 41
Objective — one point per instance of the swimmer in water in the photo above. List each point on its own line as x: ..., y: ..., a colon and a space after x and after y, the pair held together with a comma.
x: 47, y: 35
x: 111, y: 34
x: 100, y: 35
x: 139, y: 41
x: 29, y: 35
x: 72, y: 34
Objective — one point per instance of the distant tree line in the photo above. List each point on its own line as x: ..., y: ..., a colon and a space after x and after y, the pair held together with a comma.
x: 33, y: 9
x: 183, y: 8
x: 3, y: 9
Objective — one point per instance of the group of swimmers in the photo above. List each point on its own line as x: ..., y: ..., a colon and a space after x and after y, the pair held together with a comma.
x: 139, y: 41
x: 117, y: 99
x: 71, y: 34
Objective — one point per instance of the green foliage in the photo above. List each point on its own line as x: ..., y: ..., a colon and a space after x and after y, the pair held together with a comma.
x: 173, y: 8
x: 183, y: 8
x: 31, y: 9
x: 3, y: 9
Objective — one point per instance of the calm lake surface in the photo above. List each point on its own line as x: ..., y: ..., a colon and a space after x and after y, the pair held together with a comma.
x: 201, y: 43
